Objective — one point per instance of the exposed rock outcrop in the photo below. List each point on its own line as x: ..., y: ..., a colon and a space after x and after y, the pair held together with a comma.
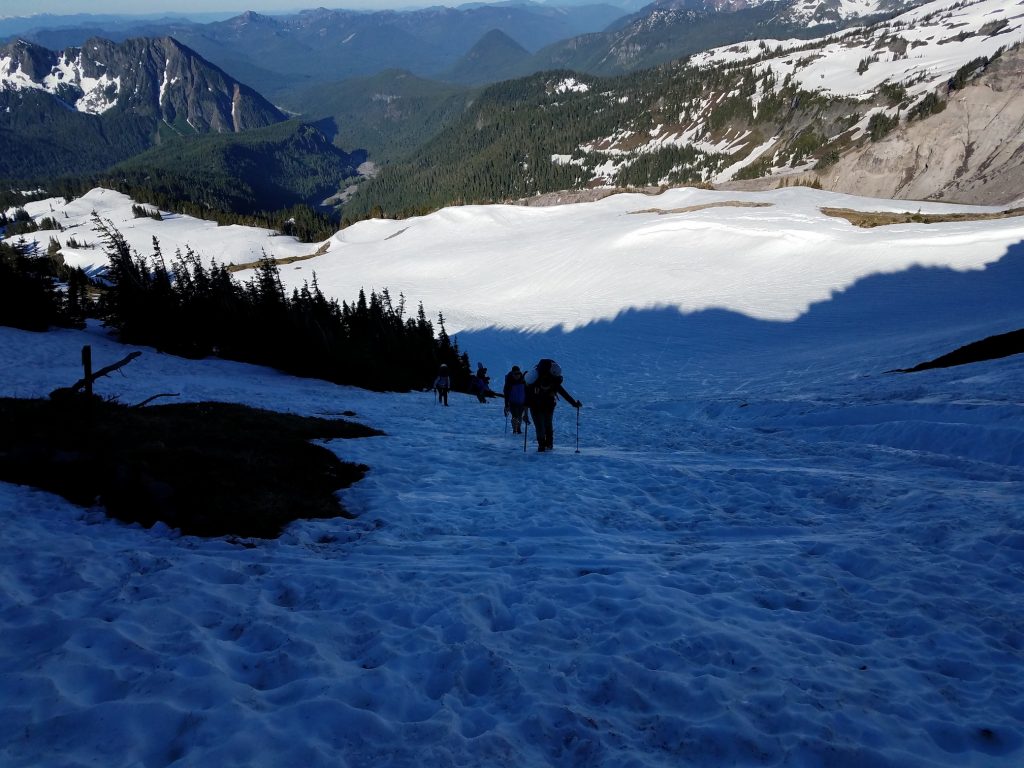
x: 972, y: 152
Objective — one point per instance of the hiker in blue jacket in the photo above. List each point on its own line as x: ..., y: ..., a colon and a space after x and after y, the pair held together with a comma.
x: 515, y: 398
x: 543, y: 386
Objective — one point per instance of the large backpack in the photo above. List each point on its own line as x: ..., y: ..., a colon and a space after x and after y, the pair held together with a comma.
x: 546, y: 369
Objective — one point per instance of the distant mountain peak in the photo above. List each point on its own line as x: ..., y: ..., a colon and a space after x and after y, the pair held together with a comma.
x: 495, y: 52
x: 251, y: 17
x: 496, y: 37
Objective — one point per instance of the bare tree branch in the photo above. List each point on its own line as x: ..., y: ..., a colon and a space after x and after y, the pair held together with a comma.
x: 149, y: 400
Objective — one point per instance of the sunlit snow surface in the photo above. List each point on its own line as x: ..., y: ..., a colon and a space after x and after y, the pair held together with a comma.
x: 768, y: 551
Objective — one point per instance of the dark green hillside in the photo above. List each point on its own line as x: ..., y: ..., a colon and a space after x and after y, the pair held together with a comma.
x: 389, y: 115
x: 502, y: 147
x: 266, y: 169
x: 42, y: 138
x: 535, y: 135
x: 499, y: 149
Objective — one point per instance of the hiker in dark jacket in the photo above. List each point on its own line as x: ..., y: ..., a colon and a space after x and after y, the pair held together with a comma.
x: 515, y: 398
x: 442, y: 384
x: 481, y: 384
x: 543, y: 386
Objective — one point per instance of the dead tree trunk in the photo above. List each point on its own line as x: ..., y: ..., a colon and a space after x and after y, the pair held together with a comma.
x: 84, y: 385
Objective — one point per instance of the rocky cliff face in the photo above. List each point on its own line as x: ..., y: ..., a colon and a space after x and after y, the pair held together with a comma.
x: 972, y: 152
x: 158, y: 78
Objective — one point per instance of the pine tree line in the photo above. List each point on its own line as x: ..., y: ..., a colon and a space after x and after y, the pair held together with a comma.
x: 192, y: 310
x: 39, y: 292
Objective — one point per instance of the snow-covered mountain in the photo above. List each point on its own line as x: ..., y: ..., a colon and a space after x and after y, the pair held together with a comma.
x: 960, y: 55
x: 155, y: 77
x: 808, y: 12
x: 918, y: 49
x: 767, y: 551
x: 819, y: 12
x: 667, y: 30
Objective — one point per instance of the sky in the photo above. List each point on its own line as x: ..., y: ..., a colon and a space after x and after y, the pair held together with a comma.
x: 205, y: 7
x: 753, y: 547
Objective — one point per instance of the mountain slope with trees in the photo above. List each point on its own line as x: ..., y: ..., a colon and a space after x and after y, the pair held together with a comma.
x: 389, y: 114
x: 272, y: 168
x: 757, y: 109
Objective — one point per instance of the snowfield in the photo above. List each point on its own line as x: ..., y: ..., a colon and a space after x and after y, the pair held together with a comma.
x: 767, y: 551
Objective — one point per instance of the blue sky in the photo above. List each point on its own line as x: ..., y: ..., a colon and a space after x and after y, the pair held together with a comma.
x: 29, y: 7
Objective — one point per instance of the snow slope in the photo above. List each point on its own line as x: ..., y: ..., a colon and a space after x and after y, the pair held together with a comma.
x: 920, y: 49
x: 767, y: 551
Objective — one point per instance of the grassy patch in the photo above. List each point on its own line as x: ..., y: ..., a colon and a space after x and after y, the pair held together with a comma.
x: 209, y: 469
x: 869, y: 219
x: 279, y: 261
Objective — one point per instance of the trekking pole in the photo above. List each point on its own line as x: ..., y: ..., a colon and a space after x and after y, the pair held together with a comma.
x: 526, y: 432
x: 506, y: 421
x: 577, y: 430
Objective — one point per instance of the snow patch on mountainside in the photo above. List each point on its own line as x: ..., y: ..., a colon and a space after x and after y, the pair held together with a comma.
x: 813, y: 13
x: 571, y: 85
x: 12, y: 76
x: 919, y: 49
x: 98, y: 93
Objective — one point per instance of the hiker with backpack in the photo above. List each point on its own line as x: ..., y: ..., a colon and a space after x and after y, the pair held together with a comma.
x: 480, y: 384
x: 442, y: 384
x: 543, y: 386
x: 515, y: 398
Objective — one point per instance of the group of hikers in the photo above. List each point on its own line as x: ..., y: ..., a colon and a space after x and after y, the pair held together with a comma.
x: 527, y: 395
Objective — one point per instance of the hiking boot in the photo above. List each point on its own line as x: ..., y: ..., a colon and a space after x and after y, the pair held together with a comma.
x: 540, y: 449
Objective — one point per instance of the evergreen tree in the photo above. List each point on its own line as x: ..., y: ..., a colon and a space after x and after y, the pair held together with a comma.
x: 194, y: 311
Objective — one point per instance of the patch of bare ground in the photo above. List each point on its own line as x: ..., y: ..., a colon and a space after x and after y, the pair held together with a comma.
x: 869, y: 219
x: 287, y: 260
x: 701, y: 207
x: 590, y: 195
